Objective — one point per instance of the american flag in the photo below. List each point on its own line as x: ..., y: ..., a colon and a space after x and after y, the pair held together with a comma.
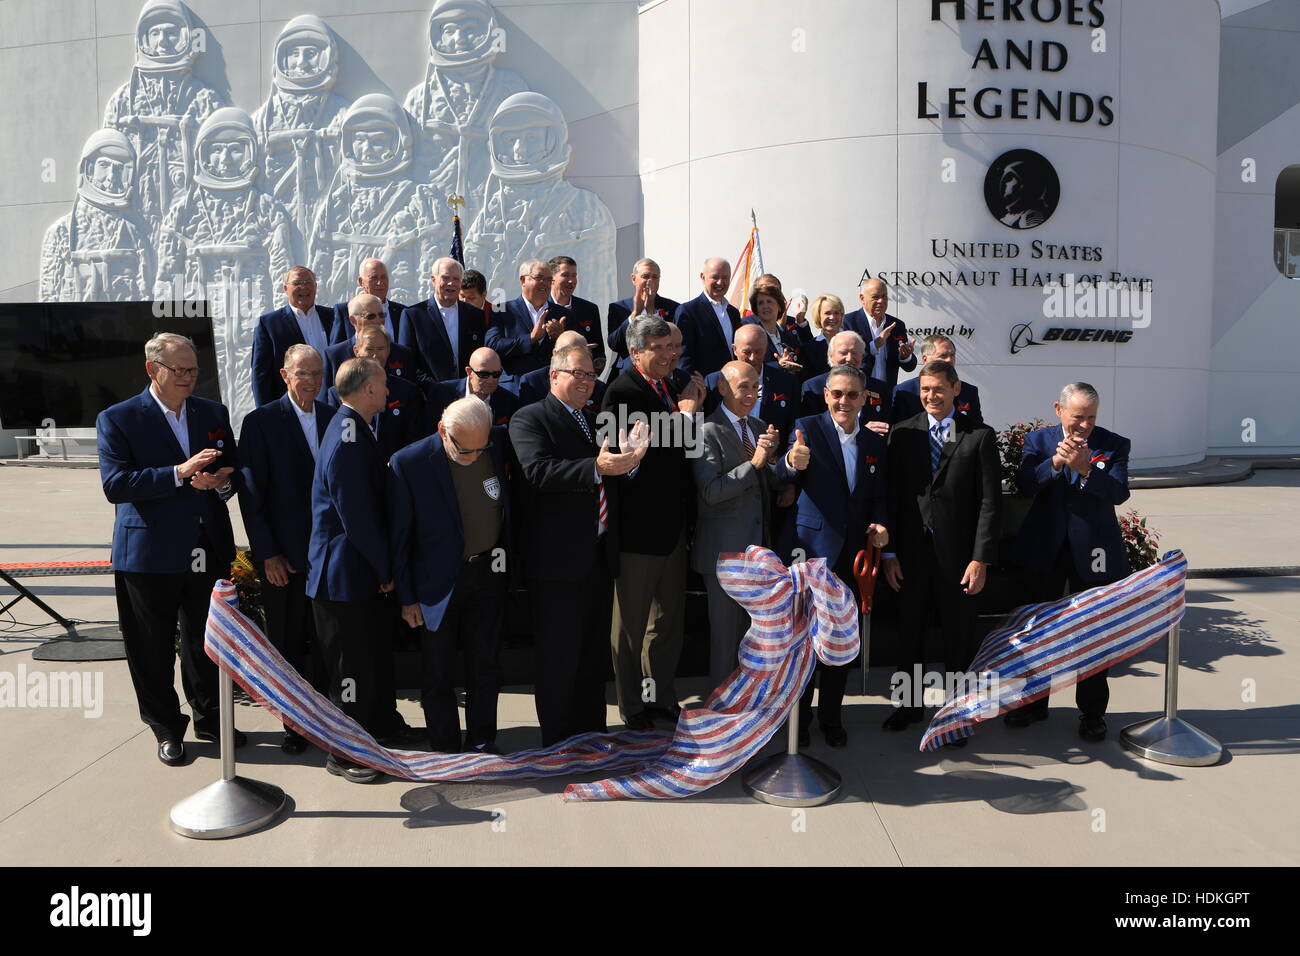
x: 1045, y: 648
x: 457, y: 242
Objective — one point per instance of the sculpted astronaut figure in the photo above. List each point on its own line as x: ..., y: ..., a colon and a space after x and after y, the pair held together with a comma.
x: 529, y: 210
x: 227, y: 240
x: 98, y: 252
x: 298, y: 125
x: 161, y: 107
x: 375, y: 209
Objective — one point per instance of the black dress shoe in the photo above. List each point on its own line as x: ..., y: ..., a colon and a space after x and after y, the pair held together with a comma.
x: 293, y: 743
x: 348, y: 770
x: 171, y: 752
x: 1024, y: 716
x: 835, y: 736
x: 207, y: 736
x: 901, y: 718
x: 1092, y: 727
x: 640, y: 721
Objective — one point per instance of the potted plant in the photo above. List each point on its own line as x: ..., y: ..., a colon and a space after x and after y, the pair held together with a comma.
x: 1139, y: 541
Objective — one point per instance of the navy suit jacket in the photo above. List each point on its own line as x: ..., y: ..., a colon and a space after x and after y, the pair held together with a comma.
x: 780, y: 404
x: 536, y: 385
x: 406, y: 420
x: 813, y: 358
x: 428, y: 536
x: 509, y: 334
x: 812, y: 401
x: 156, y: 527
x: 830, y: 520
x: 703, y: 348
x: 403, y: 363
x: 424, y: 332
x: 789, y: 338
x: 857, y: 321
x: 347, y: 556
x: 1064, y: 511
x: 584, y: 317
x: 277, y: 465
x: 278, y: 330
x: 907, y: 402
x: 395, y: 312
x: 503, y: 403
x: 618, y: 314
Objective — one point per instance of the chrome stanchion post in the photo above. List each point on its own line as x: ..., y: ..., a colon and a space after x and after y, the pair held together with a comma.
x: 864, y: 632
x: 1169, y: 738
x: 792, y: 779
x: 234, y: 805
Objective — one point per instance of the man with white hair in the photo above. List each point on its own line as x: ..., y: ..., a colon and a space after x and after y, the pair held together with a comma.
x: 442, y: 328
x: 372, y: 279
x: 888, y: 347
x: 645, y: 298
x: 449, y: 510
x: 848, y: 348
x: 300, y: 321
x: 524, y: 332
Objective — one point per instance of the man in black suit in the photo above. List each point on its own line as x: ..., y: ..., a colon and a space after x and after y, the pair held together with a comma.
x: 524, y: 332
x: 443, y: 329
x: 645, y: 298
x: 372, y: 279
x: 570, y: 543
x: 404, y: 363
x: 301, y: 321
x: 654, y: 511
x: 907, y: 395
x: 708, y: 322
x: 945, y: 492
x: 888, y: 347
x: 584, y: 316
x: 536, y: 385
x: 482, y: 380
x: 278, y: 447
x: 404, y: 419
x: 166, y: 459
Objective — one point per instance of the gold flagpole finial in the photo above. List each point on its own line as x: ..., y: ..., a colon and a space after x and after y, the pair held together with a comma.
x: 456, y: 202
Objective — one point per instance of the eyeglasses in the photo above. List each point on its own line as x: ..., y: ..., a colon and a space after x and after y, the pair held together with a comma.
x: 466, y: 451
x: 485, y: 373
x: 580, y: 374
x: 540, y: 278
x: 180, y: 372
x: 302, y: 373
x: 853, y: 395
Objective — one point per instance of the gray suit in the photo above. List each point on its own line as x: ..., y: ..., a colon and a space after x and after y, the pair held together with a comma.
x: 734, y: 500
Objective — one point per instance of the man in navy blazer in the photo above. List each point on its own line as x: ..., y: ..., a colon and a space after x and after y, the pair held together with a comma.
x: 301, y: 321
x: 524, y: 332
x: 536, y: 385
x: 449, y: 511
x: 405, y: 417
x: 482, y: 380
x: 404, y: 363
x: 166, y: 459
x: 847, y: 348
x: 584, y: 316
x: 888, y: 346
x: 1077, y: 474
x: 708, y: 322
x: 349, y: 564
x: 839, y: 468
x: 278, y: 447
x: 907, y: 395
x: 778, y: 390
x: 444, y: 330
x: 372, y: 279
x: 645, y: 298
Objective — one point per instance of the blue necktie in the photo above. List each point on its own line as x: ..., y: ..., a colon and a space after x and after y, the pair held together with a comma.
x: 936, y: 446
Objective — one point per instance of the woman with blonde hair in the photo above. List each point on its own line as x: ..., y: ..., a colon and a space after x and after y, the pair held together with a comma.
x: 827, y: 319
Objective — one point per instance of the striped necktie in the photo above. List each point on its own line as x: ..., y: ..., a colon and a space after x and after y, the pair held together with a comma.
x: 936, y: 446
x: 602, y: 515
x: 745, y: 439
x: 662, y: 389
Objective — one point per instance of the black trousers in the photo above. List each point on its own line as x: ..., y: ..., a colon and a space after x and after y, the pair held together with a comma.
x: 356, y: 645
x: 830, y: 681
x: 927, y: 584
x: 1092, y: 694
x: 148, y: 609
x: 472, y: 626
x: 571, y: 622
x: 291, y: 628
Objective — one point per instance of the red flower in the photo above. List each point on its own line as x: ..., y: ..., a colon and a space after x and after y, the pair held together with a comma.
x: 1100, y: 456
x: 395, y: 363
x: 396, y: 404
x: 871, y: 459
x: 219, y: 433
x: 964, y: 407
x: 873, y: 398
x: 780, y: 397
x: 503, y: 420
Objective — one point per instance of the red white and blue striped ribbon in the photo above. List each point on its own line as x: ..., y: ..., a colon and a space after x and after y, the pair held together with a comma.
x: 797, y: 613
x: 1045, y: 648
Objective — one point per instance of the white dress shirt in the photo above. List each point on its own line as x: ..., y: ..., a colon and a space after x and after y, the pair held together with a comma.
x: 879, y: 355
x: 451, y: 322
x: 724, y: 323
x: 179, y: 427
x: 307, y: 421
x: 388, y: 321
x: 735, y: 423
x: 313, y: 333
x: 849, y: 448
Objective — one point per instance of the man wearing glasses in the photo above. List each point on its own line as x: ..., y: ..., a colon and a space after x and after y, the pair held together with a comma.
x: 278, y: 446
x: 536, y: 385
x: 482, y: 379
x: 449, y: 510
x: 166, y: 459
x: 524, y: 332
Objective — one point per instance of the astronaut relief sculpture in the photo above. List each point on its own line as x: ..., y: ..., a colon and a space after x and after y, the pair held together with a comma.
x: 181, y: 195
